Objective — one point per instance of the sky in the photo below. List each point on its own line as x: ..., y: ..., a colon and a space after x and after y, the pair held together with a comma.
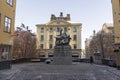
x: 91, y: 13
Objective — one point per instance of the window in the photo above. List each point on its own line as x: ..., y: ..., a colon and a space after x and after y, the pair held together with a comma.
x: 4, y: 55
x: 58, y: 22
x: 75, y: 55
x: 42, y: 37
x: 51, y: 37
x: 42, y: 30
x: 74, y: 29
x: 75, y: 46
x: 10, y: 2
x: 75, y: 37
x: 58, y: 29
x: 65, y: 29
x: 41, y: 55
x: 51, y: 29
x: 7, y: 25
x: 41, y: 46
x: 0, y: 18
x: 50, y: 46
x: 50, y: 55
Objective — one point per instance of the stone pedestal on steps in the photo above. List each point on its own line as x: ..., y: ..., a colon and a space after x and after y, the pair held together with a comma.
x: 62, y: 55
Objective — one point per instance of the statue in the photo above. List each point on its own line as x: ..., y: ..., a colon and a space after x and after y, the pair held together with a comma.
x: 62, y: 39
x: 62, y: 49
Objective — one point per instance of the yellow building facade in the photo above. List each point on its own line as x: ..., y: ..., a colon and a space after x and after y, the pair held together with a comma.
x: 46, y: 34
x: 108, y: 28
x: 116, y: 20
x: 7, y: 20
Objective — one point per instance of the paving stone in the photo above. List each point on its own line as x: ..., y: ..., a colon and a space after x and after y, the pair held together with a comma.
x: 42, y: 71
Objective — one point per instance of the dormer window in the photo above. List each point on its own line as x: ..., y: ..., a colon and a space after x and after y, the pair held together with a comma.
x: 42, y: 30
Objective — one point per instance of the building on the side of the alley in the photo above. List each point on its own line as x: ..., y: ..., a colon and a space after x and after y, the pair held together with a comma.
x: 108, y: 28
x: 105, y: 43
x: 46, y: 34
x: 116, y: 19
x: 101, y: 42
x: 7, y: 20
x: 116, y: 23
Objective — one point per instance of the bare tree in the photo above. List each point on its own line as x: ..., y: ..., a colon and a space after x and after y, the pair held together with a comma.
x: 24, y: 45
x: 102, y: 42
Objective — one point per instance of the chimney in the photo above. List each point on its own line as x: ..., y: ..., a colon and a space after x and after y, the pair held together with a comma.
x: 61, y: 14
x: 53, y: 17
x: 68, y: 17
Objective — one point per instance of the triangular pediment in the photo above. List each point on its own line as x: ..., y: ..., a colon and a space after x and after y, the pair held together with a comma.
x: 58, y: 22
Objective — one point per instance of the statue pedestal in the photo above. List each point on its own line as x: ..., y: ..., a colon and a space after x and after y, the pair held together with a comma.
x: 62, y: 55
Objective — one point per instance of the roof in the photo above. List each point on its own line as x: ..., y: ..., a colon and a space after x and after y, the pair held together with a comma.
x: 109, y: 24
x: 55, y: 22
x: 71, y: 22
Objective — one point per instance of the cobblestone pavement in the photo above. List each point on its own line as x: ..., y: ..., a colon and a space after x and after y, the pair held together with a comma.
x: 42, y: 71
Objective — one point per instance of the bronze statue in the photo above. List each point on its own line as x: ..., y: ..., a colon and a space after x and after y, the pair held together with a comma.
x: 62, y: 39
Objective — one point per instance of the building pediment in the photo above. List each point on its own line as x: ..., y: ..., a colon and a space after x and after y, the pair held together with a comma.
x: 58, y: 22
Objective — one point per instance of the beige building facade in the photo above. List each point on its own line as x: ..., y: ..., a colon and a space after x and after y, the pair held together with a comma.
x: 108, y: 28
x: 7, y: 19
x: 116, y: 20
x: 46, y: 34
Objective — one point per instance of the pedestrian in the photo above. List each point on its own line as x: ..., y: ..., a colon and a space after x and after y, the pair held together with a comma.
x: 91, y: 59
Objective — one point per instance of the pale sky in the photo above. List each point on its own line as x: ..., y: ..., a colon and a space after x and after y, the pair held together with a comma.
x: 91, y: 13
